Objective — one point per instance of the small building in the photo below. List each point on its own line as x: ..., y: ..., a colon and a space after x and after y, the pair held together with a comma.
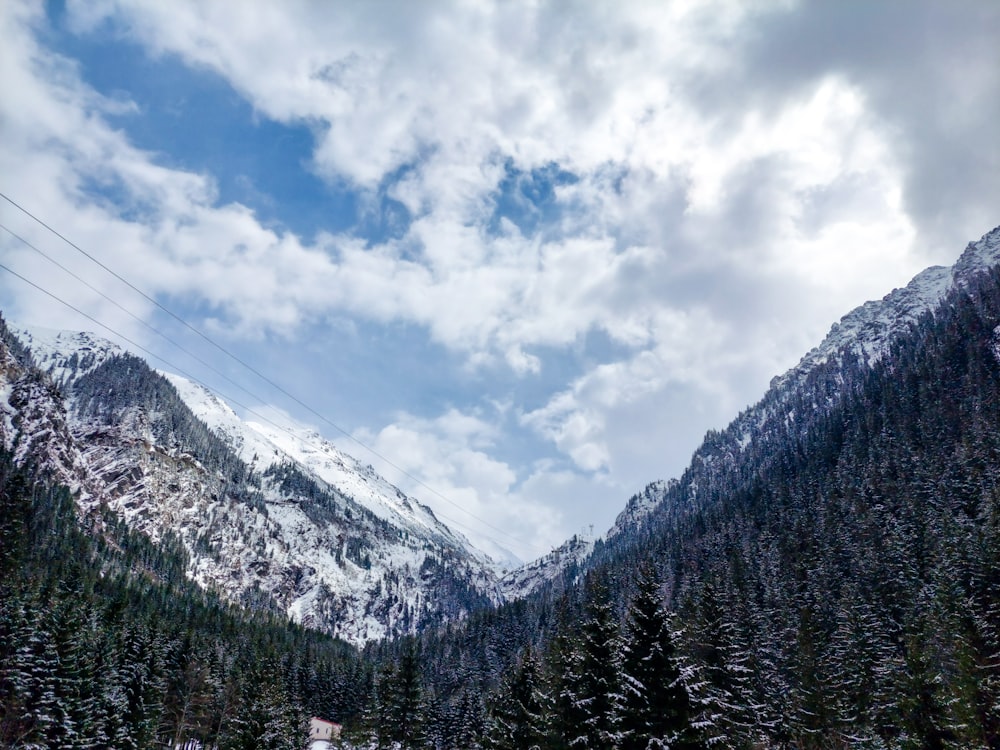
x: 322, y: 731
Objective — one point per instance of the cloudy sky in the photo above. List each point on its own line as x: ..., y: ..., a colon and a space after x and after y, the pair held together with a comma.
x: 528, y: 252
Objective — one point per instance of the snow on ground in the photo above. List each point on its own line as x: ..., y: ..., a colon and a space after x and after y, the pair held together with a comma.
x: 522, y: 581
x: 65, y: 354
x: 263, y: 444
x: 251, y: 446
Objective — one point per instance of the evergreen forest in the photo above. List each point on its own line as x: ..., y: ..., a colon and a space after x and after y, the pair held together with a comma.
x: 832, y: 582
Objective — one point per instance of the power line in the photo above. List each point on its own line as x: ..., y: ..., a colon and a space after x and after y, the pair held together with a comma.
x: 127, y: 311
x: 250, y: 367
x: 193, y: 379
x: 225, y: 351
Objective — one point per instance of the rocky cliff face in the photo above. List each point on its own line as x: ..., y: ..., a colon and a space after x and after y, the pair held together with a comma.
x: 270, y: 518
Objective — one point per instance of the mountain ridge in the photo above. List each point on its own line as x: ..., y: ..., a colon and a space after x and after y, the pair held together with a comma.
x: 863, y: 334
x: 866, y: 329
x: 355, y: 558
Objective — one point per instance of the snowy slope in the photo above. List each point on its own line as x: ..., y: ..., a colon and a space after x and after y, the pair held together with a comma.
x: 867, y: 330
x: 865, y: 334
x: 639, y: 506
x: 269, y: 517
x: 522, y: 581
x: 573, y: 553
x: 353, y: 479
x: 252, y: 448
x: 35, y: 424
x: 264, y: 444
x: 65, y: 355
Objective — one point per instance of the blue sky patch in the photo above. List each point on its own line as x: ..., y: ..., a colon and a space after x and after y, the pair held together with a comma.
x: 528, y: 198
x: 192, y: 119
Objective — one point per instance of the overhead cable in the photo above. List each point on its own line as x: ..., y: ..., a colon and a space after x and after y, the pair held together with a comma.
x: 222, y: 349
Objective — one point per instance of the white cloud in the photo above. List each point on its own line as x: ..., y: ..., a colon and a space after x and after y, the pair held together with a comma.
x: 444, y: 92
x: 689, y: 348
x: 450, y: 456
x: 729, y: 202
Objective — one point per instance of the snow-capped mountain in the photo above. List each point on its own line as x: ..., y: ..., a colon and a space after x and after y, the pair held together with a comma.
x: 264, y: 445
x: 864, y: 336
x: 279, y: 517
x: 270, y: 517
x: 866, y: 331
x: 521, y: 581
x: 66, y: 355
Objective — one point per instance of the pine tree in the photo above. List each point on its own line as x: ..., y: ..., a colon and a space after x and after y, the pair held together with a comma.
x: 516, y: 716
x: 408, y: 714
x: 379, y: 714
x: 35, y: 713
x: 556, y: 701
x: 591, y: 683
x: 188, y: 697
x: 722, y: 691
x: 141, y: 687
x: 924, y: 717
x: 656, y: 707
x: 78, y: 679
x: 267, y: 716
x: 864, y: 669
x: 397, y: 713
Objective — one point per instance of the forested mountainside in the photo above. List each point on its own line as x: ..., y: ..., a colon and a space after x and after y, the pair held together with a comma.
x: 105, y: 642
x: 345, y: 553
x: 834, y: 582
x: 825, y: 574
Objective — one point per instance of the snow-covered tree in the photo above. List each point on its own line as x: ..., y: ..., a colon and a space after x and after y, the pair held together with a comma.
x: 592, y: 680
x: 656, y: 707
x: 516, y: 719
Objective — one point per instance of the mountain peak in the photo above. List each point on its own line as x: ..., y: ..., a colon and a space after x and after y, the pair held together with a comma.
x: 269, y: 516
x: 64, y: 355
x: 979, y: 255
x: 866, y: 331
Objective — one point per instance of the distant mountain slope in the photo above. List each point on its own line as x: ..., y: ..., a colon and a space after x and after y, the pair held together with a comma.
x: 270, y: 518
x: 561, y: 561
x: 863, y: 336
x: 264, y: 445
x: 831, y: 560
